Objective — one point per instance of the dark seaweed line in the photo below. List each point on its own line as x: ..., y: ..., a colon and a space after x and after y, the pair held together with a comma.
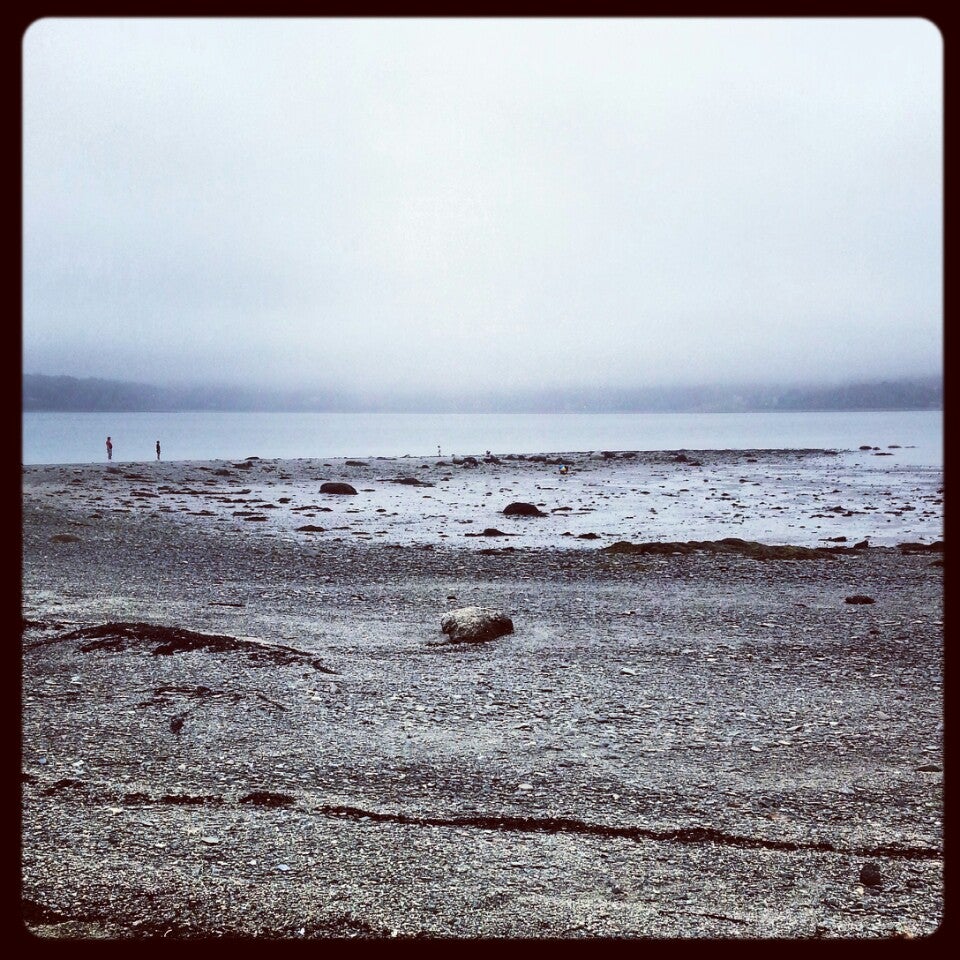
x: 685, y: 835
x: 682, y: 835
x: 117, y: 636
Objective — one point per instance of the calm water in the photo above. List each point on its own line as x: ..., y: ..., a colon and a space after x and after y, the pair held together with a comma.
x: 79, y: 437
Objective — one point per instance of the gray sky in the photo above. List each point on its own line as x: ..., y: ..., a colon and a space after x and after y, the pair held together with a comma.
x: 434, y: 203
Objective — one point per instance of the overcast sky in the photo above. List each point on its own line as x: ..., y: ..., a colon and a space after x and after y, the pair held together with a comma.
x: 423, y: 204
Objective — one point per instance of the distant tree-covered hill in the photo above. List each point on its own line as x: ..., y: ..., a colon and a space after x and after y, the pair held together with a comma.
x: 42, y: 392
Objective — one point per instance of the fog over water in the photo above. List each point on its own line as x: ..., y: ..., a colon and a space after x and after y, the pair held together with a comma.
x: 439, y: 205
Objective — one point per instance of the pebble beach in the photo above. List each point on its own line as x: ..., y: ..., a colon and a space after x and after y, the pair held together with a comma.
x: 719, y: 713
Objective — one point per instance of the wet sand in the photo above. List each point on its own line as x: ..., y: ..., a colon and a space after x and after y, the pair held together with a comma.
x: 683, y: 744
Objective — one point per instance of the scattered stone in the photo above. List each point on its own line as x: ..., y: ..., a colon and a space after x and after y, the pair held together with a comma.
x: 337, y: 487
x: 64, y: 538
x: 519, y: 509
x: 355, y: 463
x: 859, y: 598
x: 871, y: 875
x: 475, y: 624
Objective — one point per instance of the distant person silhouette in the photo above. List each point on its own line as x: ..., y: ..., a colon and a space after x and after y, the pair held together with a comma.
x: 158, y: 449
x: 109, y: 449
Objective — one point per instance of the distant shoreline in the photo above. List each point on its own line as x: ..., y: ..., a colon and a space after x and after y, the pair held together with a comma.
x: 62, y: 394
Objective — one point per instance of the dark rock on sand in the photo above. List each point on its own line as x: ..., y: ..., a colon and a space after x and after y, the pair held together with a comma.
x: 871, y: 875
x: 859, y: 598
x: 356, y: 463
x: 475, y: 624
x: 412, y: 482
x: 490, y: 532
x: 64, y: 538
x: 519, y: 509
x: 337, y: 487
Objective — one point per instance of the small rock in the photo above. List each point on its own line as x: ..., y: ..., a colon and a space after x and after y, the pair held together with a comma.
x: 475, y: 624
x: 870, y: 875
x: 519, y: 509
x: 336, y: 487
x: 859, y: 598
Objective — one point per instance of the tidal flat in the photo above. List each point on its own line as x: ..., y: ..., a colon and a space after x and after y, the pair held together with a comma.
x: 238, y: 718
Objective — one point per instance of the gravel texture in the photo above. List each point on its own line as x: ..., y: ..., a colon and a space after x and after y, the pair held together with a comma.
x: 236, y: 728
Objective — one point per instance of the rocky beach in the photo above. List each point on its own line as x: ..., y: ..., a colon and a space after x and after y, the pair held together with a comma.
x: 718, y: 712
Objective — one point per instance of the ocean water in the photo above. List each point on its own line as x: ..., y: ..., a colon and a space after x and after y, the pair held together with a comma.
x: 912, y: 438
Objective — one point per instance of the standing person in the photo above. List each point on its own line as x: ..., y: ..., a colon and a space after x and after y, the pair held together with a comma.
x: 109, y: 449
x: 158, y: 449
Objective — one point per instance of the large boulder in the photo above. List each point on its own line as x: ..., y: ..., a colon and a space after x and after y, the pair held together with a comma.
x: 336, y: 487
x: 523, y: 510
x: 475, y: 624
